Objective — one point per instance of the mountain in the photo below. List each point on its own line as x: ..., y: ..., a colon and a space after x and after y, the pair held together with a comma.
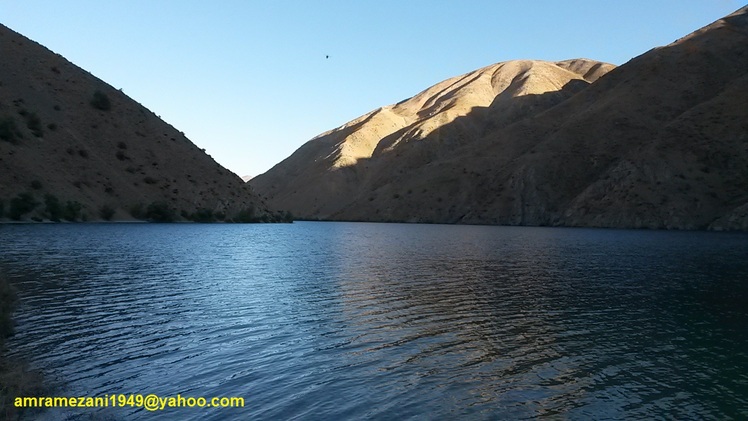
x: 73, y: 147
x: 343, y: 167
x: 659, y: 142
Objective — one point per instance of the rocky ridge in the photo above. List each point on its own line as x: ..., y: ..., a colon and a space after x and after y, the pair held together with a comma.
x: 73, y: 147
x: 659, y: 142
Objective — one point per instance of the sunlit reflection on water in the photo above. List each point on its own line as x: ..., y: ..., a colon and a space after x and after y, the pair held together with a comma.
x: 348, y: 321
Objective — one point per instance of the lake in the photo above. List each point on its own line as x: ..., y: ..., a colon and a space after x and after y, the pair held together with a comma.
x: 331, y: 321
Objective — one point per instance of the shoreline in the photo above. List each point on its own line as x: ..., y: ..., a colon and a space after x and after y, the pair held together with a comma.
x: 131, y: 221
x: 16, y: 378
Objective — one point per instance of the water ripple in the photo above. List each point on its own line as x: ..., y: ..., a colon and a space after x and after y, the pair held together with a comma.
x: 348, y: 321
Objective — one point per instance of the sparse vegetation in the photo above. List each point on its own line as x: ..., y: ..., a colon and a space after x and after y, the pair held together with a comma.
x: 155, y: 212
x: 100, y: 101
x: 202, y: 215
x: 121, y: 155
x: 106, y: 212
x: 53, y: 207
x: 72, y: 211
x: 137, y: 211
x: 250, y: 215
x: 9, y: 131
x: 15, y: 377
x: 36, y: 185
x: 2, y: 208
x: 160, y: 212
x: 83, y: 153
x: 34, y: 123
x: 21, y: 205
x: 52, y: 127
x: 246, y: 215
x: 150, y: 180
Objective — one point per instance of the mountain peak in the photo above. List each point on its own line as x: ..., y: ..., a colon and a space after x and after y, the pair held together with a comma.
x: 424, y: 117
x: 658, y: 142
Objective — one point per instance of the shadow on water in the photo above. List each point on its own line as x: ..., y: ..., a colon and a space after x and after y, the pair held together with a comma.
x: 351, y: 320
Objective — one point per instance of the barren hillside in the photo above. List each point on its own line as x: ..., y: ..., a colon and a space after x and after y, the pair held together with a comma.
x: 72, y: 147
x: 341, y: 167
x: 659, y: 142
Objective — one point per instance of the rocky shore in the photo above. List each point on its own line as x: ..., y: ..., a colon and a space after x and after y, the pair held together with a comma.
x: 16, y: 378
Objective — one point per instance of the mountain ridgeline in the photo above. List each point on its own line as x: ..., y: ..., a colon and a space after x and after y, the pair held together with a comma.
x: 658, y: 142
x: 74, y: 148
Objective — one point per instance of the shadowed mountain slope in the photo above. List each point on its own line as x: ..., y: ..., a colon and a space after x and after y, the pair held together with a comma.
x: 659, y: 142
x: 341, y: 167
x: 73, y: 147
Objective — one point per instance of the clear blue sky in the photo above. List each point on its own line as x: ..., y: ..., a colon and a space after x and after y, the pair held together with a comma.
x: 249, y: 81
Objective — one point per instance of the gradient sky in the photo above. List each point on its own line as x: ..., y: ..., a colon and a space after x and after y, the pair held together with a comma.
x: 249, y: 81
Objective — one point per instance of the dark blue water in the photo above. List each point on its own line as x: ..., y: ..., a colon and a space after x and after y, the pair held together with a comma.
x: 386, y: 321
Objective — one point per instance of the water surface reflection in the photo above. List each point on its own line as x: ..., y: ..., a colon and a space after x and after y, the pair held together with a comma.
x: 343, y: 320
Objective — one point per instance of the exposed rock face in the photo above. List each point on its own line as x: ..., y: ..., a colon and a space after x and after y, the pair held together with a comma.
x: 659, y: 142
x: 67, y: 137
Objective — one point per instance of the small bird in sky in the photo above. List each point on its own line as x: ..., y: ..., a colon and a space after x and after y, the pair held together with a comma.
x: 327, y: 56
